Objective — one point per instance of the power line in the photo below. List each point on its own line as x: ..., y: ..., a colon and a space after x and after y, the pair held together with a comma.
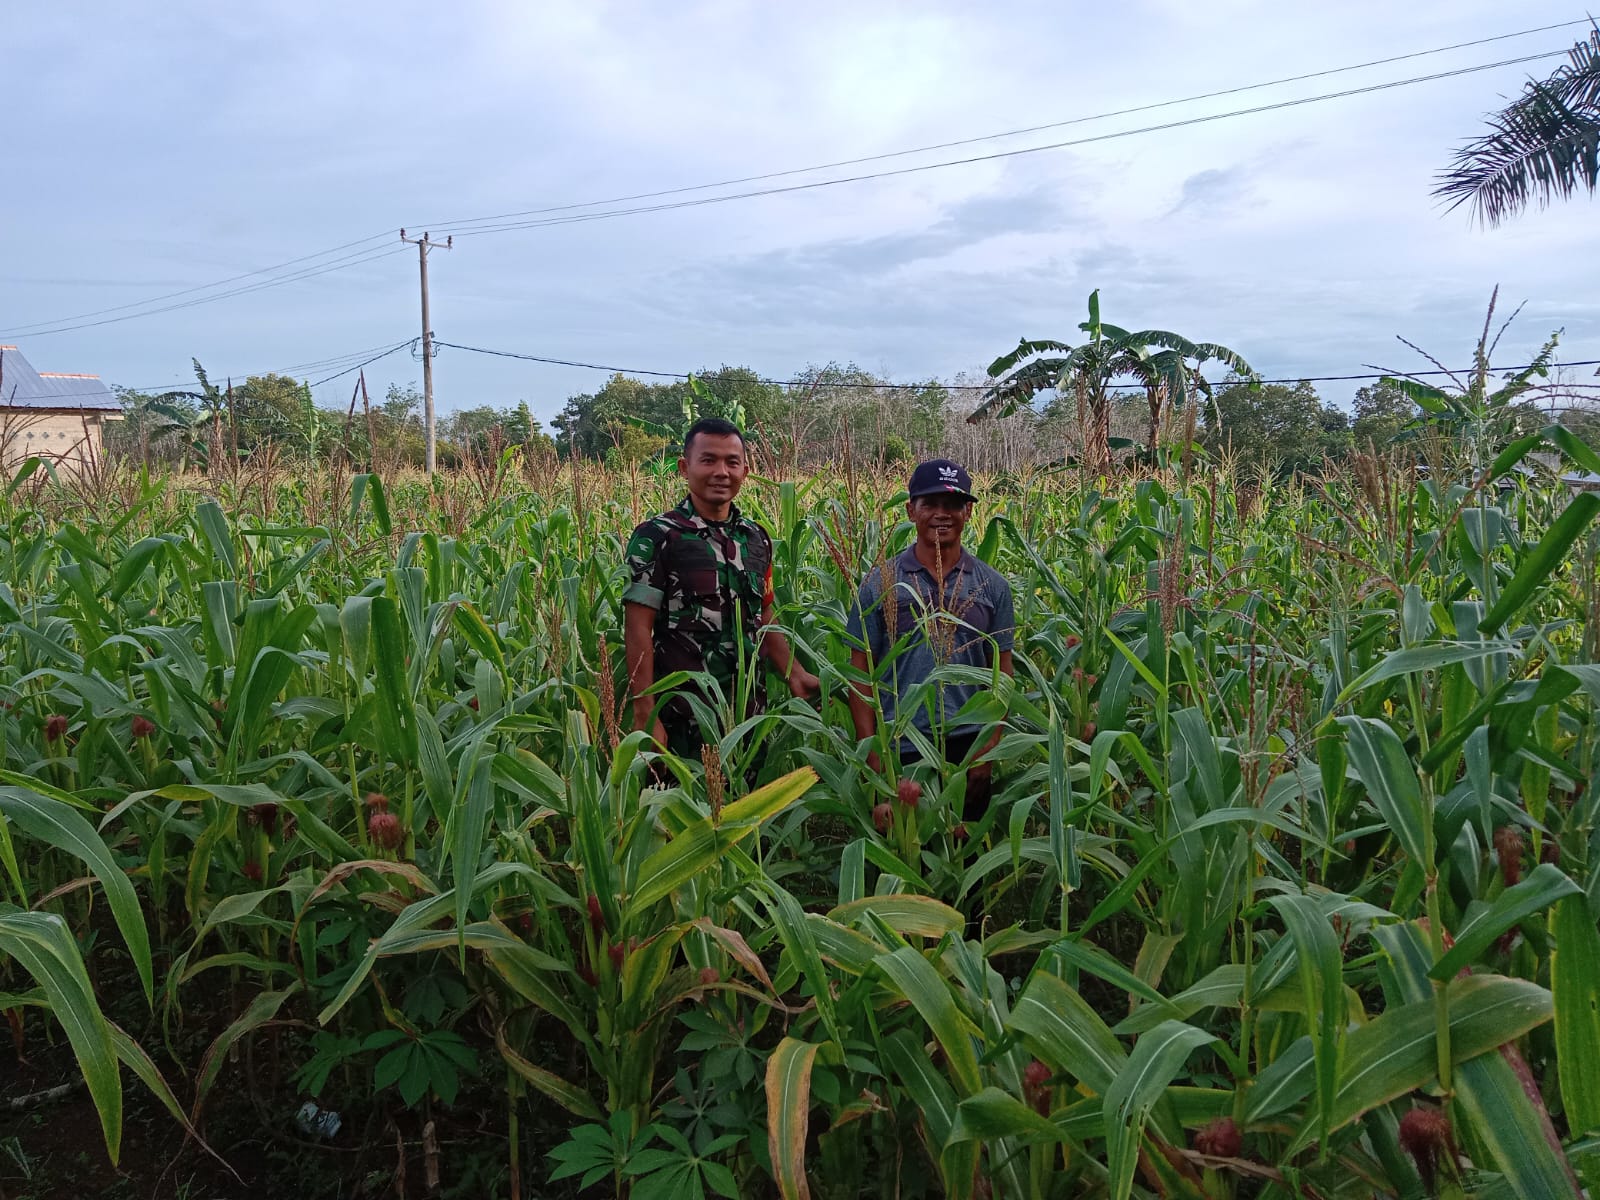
x: 579, y: 218
x: 204, y: 287
x: 339, y: 360
x: 411, y: 343
x: 66, y: 324
x: 460, y: 225
x: 367, y: 363
x: 340, y: 264
x: 952, y: 387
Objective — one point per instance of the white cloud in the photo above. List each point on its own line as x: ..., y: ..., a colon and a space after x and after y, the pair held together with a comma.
x: 187, y: 142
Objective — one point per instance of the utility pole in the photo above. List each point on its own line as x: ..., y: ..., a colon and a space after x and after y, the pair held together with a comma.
x: 423, y: 245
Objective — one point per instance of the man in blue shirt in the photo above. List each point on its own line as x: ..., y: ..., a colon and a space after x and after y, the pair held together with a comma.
x: 955, y: 608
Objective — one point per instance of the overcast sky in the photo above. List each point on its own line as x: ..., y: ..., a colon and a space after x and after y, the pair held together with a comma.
x: 154, y: 148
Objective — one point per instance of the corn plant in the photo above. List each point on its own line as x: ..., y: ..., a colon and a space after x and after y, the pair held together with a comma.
x: 1288, y: 885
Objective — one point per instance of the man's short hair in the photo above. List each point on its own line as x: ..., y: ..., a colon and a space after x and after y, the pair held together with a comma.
x: 716, y: 427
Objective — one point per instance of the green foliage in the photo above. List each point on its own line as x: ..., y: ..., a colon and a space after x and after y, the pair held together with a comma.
x: 422, y: 1064
x: 1270, y: 777
x: 1278, y: 428
x: 1382, y: 414
x: 1165, y: 366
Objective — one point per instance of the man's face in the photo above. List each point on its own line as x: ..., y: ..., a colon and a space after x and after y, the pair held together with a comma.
x: 714, y: 467
x: 940, y: 519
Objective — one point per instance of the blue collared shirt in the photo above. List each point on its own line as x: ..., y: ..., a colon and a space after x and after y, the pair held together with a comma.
x: 965, y: 621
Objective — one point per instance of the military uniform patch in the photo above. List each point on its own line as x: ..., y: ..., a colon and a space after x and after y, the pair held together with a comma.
x: 708, y: 582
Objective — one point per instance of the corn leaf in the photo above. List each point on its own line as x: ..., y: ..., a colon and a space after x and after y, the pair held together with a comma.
x: 1575, y: 985
x: 65, y: 828
x: 916, y: 980
x: 1514, y: 1125
x: 46, y: 950
x: 1381, y: 763
x: 1158, y: 1057
x: 1543, y: 562
x: 789, y: 1114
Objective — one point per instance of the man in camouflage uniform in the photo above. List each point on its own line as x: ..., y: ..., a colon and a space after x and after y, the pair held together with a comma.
x: 700, y: 588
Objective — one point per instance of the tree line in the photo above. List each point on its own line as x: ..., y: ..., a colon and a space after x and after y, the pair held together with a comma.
x: 834, y: 413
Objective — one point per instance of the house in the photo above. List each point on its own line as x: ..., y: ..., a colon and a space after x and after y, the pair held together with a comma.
x: 51, y: 415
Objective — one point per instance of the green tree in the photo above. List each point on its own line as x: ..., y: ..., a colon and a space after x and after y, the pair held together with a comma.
x: 1584, y: 420
x: 1165, y: 365
x: 1543, y: 145
x: 401, y: 405
x: 397, y: 425
x: 925, y: 409
x: 472, y: 429
x: 632, y: 444
x: 519, y: 423
x: 742, y: 388
x: 1335, y: 440
x: 585, y: 423
x: 154, y: 428
x: 1282, y: 428
x: 274, y: 408
x: 1382, y: 410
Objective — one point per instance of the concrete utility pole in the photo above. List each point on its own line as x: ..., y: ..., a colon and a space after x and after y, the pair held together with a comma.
x: 423, y: 245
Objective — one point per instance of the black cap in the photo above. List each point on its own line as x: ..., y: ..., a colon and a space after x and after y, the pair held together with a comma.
x: 939, y: 476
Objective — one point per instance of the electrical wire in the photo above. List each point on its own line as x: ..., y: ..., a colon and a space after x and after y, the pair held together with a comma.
x: 368, y: 363
x: 340, y: 359
x: 580, y: 218
x: 383, y: 352
x: 955, y: 387
x: 203, y: 287
x: 340, y: 264
x: 67, y: 324
x: 463, y: 223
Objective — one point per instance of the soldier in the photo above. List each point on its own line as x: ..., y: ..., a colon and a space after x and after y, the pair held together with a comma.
x: 957, y: 609
x: 701, y: 587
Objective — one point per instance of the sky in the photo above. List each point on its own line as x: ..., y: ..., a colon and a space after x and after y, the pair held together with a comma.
x: 157, y: 149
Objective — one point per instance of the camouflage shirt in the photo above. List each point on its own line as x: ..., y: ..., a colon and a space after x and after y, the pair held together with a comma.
x: 708, y: 582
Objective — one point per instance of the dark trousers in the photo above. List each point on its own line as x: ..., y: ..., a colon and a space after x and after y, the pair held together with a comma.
x: 980, y: 784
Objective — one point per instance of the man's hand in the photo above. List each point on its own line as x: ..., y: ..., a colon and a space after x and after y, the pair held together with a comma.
x: 659, y: 732
x: 803, y: 683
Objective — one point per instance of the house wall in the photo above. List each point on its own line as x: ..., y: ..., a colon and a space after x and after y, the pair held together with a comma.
x: 67, y: 438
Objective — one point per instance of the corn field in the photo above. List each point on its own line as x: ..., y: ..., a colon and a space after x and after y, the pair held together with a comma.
x: 323, y: 790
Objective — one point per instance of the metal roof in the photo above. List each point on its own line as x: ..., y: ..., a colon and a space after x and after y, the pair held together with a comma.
x: 23, y: 387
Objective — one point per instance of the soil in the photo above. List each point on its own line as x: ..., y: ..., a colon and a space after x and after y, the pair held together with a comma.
x: 55, y: 1149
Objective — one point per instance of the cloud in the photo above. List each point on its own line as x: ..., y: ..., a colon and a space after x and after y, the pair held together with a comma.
x: 1212, y: 189
x: 962, y: 225
x: 179, y: 146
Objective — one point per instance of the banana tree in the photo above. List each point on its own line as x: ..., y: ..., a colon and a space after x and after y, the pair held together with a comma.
x: 1165, y: 365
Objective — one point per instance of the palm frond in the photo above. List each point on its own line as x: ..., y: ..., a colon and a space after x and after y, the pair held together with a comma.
x: 1544, y: 145
x: 1577, y: 84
